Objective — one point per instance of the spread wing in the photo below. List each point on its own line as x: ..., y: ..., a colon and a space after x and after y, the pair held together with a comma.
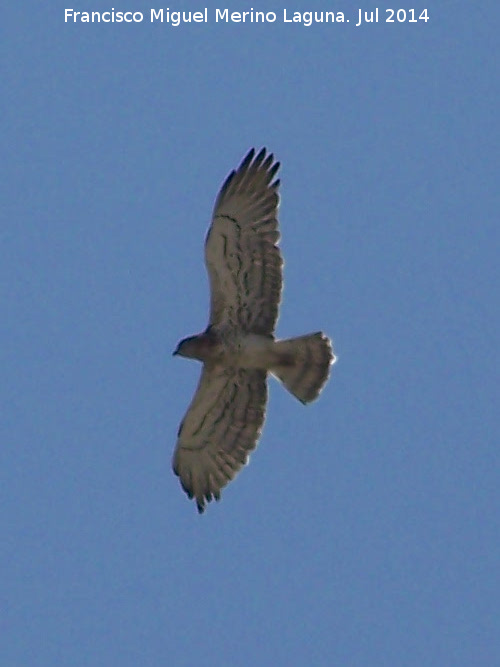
x: 219, y: 430
x: 243, y: 261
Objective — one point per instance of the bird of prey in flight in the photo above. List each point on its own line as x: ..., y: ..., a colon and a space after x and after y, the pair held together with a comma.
x: 238, y: 348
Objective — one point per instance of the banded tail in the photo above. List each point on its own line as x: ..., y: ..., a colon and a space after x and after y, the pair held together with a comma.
x: 305, y: 364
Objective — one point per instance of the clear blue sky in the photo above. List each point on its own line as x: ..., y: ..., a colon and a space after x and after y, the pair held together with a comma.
x: 365, y: 530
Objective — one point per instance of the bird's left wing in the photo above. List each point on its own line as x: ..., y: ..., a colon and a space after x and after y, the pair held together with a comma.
x: 243, y: 261
x: 220, y: 429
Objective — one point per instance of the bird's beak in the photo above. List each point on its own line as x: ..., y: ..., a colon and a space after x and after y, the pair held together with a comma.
x: 175, y: 353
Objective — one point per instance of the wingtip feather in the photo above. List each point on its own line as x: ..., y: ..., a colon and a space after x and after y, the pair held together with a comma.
x: 247, y: 159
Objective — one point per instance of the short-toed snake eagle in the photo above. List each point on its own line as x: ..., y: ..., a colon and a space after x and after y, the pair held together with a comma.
x: 238, y: 348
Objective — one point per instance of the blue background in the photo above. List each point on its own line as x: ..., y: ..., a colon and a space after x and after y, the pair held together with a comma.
x: 365, y: 530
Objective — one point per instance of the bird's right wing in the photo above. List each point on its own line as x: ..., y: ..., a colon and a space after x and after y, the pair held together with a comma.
x: 220, y: 429
x: 243, y: 260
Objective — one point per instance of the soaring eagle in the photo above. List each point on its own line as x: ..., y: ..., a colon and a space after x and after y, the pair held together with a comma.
x: 238, y: 348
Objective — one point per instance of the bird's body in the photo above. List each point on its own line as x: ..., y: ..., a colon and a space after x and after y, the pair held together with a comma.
x: 231, y: 348
x: 238, y: 348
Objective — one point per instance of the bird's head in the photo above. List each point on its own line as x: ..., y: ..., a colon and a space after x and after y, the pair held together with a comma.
x: 190, y: 347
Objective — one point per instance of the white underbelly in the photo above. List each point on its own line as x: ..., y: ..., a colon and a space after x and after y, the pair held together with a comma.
x: 256, y: 352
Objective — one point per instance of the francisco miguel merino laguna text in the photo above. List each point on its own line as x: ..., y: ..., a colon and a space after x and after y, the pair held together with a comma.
x: 175, y: 18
